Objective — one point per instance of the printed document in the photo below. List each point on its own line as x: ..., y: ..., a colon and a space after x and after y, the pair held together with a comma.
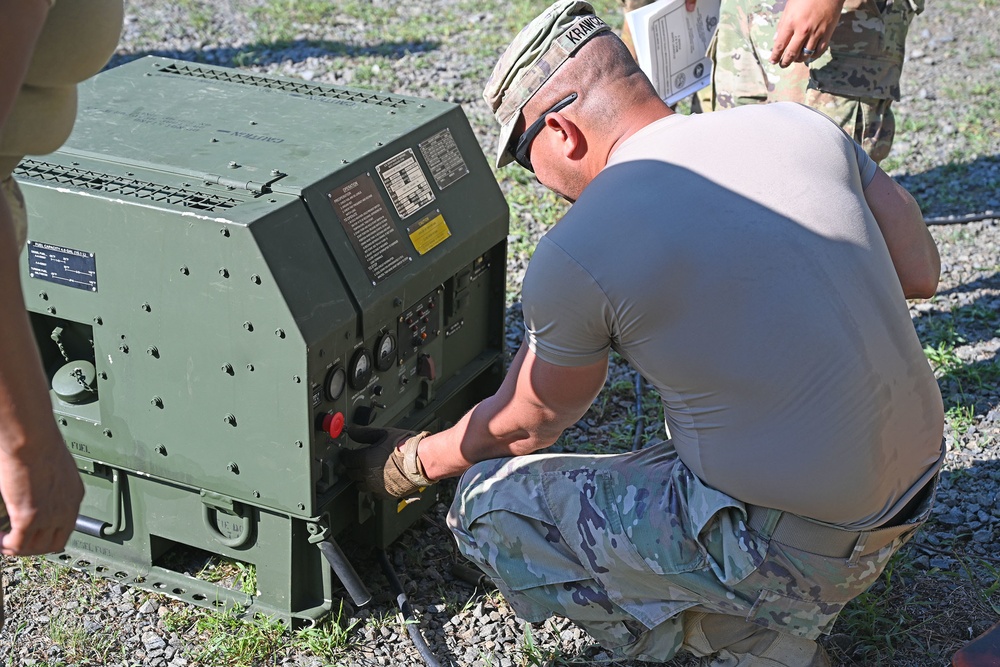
x: 671, y: 45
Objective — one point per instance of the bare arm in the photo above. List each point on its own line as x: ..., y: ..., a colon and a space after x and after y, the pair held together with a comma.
x: 913, y: 251
x: 535, y: 404
x: 38, y: 478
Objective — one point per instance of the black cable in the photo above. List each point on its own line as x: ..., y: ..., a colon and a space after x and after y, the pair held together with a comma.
x: 404, y: 607
x: 959, y: 219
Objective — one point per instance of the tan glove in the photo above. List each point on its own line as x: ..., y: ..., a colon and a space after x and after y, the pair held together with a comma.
x: 389, y: 466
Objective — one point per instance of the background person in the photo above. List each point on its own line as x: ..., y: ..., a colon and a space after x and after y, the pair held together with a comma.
x: 46, y: 48
x: 842, y: 58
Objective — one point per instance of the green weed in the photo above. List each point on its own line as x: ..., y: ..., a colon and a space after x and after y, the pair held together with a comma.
x: 961, y: 417
x: 328, y: 639
x: 232, y: 640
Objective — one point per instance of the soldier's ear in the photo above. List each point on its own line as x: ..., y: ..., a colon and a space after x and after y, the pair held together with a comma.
x: 570, y: 139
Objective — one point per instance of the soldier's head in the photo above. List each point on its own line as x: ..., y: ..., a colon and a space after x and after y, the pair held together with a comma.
x: 564, y: 92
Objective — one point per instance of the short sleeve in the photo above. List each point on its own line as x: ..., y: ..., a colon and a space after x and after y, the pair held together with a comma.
x: 567, y: 317
x: 866, y: 165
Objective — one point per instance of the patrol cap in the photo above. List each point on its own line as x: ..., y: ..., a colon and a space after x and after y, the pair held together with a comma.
x: 532, y: 58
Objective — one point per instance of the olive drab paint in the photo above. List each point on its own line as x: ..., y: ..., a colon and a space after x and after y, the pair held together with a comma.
x: 224, y: 271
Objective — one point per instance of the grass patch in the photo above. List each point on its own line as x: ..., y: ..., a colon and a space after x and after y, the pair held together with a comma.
x: 329, y: 639
x: 280, y: 20
x: 230, y: 639
x: 883, y: 620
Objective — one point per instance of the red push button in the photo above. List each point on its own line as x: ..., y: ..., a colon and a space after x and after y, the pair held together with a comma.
x: 334, y: 424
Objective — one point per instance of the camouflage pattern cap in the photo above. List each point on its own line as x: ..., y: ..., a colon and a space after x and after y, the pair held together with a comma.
x: 535, y: 54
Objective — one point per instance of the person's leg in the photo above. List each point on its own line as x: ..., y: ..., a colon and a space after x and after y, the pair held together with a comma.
x: 738, y: 74
x: 730, y: 641
x: 610, y: 542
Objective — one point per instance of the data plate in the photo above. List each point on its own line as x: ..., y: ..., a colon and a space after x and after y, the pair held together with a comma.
x: 405, y: 182
x: 65, y: 266
x: 444, y: 159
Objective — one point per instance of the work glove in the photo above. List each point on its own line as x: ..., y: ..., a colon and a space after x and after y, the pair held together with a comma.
x: 388, y: 466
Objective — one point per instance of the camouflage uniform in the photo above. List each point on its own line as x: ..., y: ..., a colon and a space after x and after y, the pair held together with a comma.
x: 634, y: 548
x: 854, y: 82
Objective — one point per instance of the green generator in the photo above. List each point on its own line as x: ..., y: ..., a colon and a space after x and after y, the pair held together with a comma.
x: 224, y: 271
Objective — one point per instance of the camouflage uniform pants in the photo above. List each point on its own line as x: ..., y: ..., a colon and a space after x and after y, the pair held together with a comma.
x: 627, y: 545
x: 854, y: 82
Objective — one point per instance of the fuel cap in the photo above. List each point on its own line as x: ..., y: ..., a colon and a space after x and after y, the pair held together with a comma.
x: 75, y: 382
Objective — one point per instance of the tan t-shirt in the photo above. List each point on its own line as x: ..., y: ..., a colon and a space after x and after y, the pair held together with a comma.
x: 731, y: 258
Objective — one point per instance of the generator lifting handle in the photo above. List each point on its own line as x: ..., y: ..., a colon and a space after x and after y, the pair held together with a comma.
x: 214, y: 504
x: 97, y: 528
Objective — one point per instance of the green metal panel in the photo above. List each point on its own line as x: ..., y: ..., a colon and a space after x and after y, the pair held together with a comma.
x: 227, y: 262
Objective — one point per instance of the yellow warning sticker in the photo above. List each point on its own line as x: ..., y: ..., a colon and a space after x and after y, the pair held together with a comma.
x: 429, y: 232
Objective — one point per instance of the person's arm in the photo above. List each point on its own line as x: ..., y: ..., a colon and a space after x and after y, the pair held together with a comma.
x: 535, y: 404
x: 39, y: 482
x: 804, y: 24
x: 911, y: 246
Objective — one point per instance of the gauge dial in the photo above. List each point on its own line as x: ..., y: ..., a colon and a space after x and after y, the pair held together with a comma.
x: 336, y: 380
x: 386, y: 351
x: 361, y: 369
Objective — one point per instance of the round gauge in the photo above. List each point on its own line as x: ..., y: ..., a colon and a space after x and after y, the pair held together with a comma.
x: 336, y: 380
x: 386, y: 351
x: 361, y: 369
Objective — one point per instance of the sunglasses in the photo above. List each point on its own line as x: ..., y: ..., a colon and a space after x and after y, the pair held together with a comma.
x: 522, y: 153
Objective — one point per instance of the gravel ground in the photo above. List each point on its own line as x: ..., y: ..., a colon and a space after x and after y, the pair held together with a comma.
x: 943, y: 586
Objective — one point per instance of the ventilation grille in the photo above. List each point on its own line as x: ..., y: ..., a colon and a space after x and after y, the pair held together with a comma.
x: 122, y: 187
x: 300, y: 88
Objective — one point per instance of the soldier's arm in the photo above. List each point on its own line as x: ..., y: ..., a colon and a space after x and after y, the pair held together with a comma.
x: 911, y: 246
x: 535, y: 404
x: 38, y: 479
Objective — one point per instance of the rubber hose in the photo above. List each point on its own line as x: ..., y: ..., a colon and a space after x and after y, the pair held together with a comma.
x: 404, y: 607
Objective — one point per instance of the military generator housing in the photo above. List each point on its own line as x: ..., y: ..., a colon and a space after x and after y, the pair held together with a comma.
x: 226, y: 270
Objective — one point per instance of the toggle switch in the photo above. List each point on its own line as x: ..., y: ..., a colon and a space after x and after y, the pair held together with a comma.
x: 426, y: 367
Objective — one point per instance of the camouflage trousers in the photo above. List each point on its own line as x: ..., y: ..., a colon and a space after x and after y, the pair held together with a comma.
x: 854, y: 82
x: 629, y: 545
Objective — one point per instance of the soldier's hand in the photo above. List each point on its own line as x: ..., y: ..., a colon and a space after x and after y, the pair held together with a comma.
x: 388, y: 465
x: 42, y: 490
x: 804, y: 30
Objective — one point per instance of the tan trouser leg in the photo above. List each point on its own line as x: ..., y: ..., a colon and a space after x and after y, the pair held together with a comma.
x: 730, y: 641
